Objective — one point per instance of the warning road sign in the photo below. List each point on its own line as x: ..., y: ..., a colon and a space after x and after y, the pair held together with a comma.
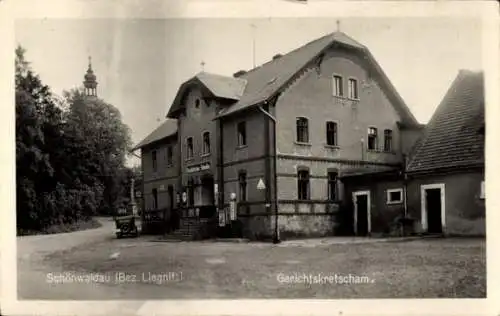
x: 261, y: 185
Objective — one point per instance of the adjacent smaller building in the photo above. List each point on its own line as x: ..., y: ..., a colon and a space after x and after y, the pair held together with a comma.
x: 442, y: 187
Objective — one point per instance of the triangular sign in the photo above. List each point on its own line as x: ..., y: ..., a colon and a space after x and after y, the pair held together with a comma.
x: 261, y: 185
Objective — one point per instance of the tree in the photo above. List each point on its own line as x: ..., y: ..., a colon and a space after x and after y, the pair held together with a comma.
x: 101, y: 142
x: 37, y: 120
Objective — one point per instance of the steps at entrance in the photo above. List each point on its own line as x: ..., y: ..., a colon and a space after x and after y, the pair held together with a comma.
x: 188, y: 229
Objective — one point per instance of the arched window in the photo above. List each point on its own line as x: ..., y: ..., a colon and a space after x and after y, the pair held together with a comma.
x: 206, y: 143
x: 189, y: 149
x: 302, y: 130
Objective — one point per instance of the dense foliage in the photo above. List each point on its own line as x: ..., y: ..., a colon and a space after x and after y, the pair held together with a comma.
x: 70, y: 154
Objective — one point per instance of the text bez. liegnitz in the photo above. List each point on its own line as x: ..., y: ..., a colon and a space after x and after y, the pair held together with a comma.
x: 116, y: 277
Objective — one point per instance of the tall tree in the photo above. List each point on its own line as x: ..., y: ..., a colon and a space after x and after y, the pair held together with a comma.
x: 101, y: 140
x: 37, y: 124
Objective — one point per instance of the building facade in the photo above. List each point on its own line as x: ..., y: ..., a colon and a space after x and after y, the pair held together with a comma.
x: 280, y: 138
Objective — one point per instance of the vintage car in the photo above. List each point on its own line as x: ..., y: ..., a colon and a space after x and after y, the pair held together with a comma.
x: 127, y: 225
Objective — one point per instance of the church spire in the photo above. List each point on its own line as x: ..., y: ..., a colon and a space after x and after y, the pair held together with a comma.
x: 90, y: 82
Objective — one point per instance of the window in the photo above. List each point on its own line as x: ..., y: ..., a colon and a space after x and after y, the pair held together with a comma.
x: 338, y: 89
x: 387, y: 140
x: 482, y: 194
x: 332, y: 186
x: 331, y: 133
x: 372, y: 138
x: 170, y: 155
x: 190, y: 194
x: 302, y: 130
x: 155, y: 199
x: 189, y: 145
x: 394, y: 196
x: 353, y: 89
x: 197, y: 103
x: 242, y: 180
x: 242, y: 134
x: 206, y: 143
x: 303, y: 185
x: 153, y: 160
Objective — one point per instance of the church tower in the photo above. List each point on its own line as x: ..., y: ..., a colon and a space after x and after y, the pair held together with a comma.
x: 90, y: 83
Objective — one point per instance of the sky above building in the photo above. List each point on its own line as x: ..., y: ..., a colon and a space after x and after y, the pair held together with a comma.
x: 140, y: 63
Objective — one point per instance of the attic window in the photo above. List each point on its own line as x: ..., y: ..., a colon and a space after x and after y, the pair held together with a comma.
x: 197, y: 103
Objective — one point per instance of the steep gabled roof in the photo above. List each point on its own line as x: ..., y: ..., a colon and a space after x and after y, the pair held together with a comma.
x: 262, y: 83
x: 168, y: 128
x: 219, y: 86
x: 453, y: 137
x: 267, y: 80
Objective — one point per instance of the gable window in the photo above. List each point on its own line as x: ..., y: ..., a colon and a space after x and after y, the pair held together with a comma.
x: 372, y: 138
x: 242, y: 134
x: 154, y: 160
x: 242, y: 182
x: 189, y: 149
x: 302, y: 130
x: 353, y: 89
x: 303, y: 184
x: 338, y: 89
x: 482, y: 193
x: 206, y: 143
x: 197, y: 103
x: 170, y: 155
x: 332, y: 186
x: 387, y: 140
x: 155, y: 198
x: 331, y: 133
x: 394, y: 196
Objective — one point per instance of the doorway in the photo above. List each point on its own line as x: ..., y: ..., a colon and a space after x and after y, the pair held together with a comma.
x: 362, y: 221
x: 433, y: 208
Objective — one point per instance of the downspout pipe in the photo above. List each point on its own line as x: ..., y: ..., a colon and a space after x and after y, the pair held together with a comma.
x: 276, y: 237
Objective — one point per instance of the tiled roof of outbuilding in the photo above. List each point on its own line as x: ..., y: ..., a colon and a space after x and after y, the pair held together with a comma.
x: 453, y: 137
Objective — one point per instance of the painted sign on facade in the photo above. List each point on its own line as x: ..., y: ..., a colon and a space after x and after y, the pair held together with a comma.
x: 200, y: 167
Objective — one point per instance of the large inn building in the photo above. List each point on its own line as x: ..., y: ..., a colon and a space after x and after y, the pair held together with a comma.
x: 304, y: 139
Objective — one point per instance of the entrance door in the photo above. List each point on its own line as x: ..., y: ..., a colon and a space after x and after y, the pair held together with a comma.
x: 362, y: 213
x: 433, y: 206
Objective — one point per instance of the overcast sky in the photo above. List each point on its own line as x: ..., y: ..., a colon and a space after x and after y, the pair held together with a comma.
x: 141, y: 63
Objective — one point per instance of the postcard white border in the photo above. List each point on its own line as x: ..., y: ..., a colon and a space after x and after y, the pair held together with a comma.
x: 13, y: 9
